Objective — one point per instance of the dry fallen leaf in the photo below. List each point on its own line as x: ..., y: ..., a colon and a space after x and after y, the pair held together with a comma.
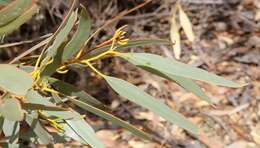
x: 174, y: 35
x: 255, y: 133
x: 186, y: 24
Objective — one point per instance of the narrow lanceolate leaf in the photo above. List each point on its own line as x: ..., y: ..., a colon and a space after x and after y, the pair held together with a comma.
x: 175, y: 35
x: 130, y: 44
x: 81, y: 35
x: 69, y: 132
x: 85, y: 131
x: 13, y: 10
x: 186, y: 83
x: 110, y: 118
x: 51, y: 68
x: 11, y: 109
x: 49, y: 108
x: 173, y: 67
x: 14, y: 80
x: 71, y: 90
x: 35, y: 125
x: 186, y: 24
x: 13, y: 25
x: 32, y: 106
x: 139, y: 97
x: 60, y: 38
x: 11, y: 130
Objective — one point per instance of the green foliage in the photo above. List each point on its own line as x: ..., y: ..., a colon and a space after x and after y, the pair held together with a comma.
x: 40, y: 101
x: 14, y: 80
x: 136, y: 95
x: 15, y: 14
x: 11, y: 109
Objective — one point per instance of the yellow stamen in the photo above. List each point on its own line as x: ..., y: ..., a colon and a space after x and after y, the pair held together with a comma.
x: 53, y: 122
x: 79, y: 54
x: 50, y: 90
x: 62, y: 70
x: 50, y: 61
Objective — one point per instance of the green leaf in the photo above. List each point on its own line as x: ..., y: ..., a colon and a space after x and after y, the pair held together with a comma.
x: 35, y: 98
x: 130, y: 44
x: 186, y: 83
x: 13, y: 25
x: 14, y: 80
x: 60, y: 38
x: 137, y: 96
x: 80, y: 36
x: 85, y: 131
x: 53, y: 66
x: 69, y: 132
x: 71, y: 90
x: 173, y: 67
x: 32, y: 106
x: 35, y: 125
x: 11, y: 130
x: 11, y: 109
x: 110, y: 118
x: 13, y: 10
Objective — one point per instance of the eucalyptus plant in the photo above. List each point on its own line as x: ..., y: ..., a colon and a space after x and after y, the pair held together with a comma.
x: 31, y: 96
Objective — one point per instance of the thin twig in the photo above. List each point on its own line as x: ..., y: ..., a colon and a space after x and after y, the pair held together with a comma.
x: 42, y: 43
x: 24, y: 42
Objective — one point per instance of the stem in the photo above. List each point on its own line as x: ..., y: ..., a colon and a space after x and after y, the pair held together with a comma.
x: 94, y: 69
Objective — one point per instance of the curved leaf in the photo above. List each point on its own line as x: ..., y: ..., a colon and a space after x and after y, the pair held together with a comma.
x: 60, y: 38
x: 71, y: 90
x: 186, y: 83
x: 186, y: 24
x: 13, y: 25
x: 141, y: 98
x: 80, y: 36
x: 11, y: 109
x: 13, y: 10
x: 11, y: 131
x: 35, y: 98
x: 14, y: 80
x: 35, y: 125
x: 173, y: 67
x: 85, y: 131
x: 111, y: 118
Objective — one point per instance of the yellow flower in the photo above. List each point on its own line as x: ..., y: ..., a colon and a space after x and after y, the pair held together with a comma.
x: 119, y: 37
